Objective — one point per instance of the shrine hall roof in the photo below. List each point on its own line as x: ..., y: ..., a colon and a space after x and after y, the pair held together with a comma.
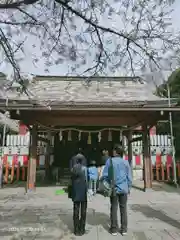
x: 96, y: 91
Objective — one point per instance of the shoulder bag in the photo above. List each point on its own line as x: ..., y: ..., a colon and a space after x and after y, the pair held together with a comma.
x: 108, y: 187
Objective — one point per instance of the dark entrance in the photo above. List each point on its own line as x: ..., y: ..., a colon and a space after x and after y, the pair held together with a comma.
x: 65, y: 149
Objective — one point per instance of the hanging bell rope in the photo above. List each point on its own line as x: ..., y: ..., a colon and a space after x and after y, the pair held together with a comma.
x: 89, y: 139
x: 80, y: 130
x: 69, y: 136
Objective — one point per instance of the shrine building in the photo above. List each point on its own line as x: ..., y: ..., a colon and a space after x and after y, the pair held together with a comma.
x: 91, y: 114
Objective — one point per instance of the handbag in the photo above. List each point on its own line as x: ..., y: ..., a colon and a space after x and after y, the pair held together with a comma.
x: 108, y: 188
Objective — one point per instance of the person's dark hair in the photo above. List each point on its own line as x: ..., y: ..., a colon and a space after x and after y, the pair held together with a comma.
x: 119, y: 149
x: 79, y: 160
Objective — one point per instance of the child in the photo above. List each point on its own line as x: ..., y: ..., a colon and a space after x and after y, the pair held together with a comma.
x: 93, y: 177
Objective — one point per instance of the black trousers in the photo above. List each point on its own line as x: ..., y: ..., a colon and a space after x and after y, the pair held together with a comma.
x: 121, y: 200
x: 79, y: 215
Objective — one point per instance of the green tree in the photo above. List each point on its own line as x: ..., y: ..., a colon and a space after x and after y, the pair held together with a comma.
x: 174, y: 86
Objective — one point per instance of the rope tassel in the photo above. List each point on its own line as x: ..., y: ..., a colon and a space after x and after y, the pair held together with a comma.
x: 79, y: 137
x: 89, y: 139
x: 60, y: 136
x: 99, y: 137
x: 110, y: 136
x: 120, y: 136
x: 69, y: 136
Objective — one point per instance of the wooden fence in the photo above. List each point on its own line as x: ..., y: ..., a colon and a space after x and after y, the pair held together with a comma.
x: 14, y: 173
x: 160, y: 172
x: 165, y: 173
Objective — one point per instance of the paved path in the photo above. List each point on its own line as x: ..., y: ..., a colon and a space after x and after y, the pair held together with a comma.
x: 43, y: 215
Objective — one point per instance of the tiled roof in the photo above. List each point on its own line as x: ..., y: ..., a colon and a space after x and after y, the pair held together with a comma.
x: 76, y: 90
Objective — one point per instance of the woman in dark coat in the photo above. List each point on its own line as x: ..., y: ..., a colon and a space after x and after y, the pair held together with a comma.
x: 79, y: 196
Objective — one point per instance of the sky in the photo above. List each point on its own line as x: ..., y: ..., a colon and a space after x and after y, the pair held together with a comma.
x: 63, y: 69
x: 176, y: 15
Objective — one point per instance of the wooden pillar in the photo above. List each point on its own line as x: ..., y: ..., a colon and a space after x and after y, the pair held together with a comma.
x: 31, y: 175
x: 130, y: 153
x: 147, y: 170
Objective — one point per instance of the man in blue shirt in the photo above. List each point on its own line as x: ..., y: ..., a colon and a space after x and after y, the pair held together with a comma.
x: 122, y: 185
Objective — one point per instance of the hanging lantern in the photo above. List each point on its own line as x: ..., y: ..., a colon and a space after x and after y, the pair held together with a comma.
x: 89, y: 139
x: 60, y: 136
x: 110, y: 136
x: 79, y: 137
x: 69, y: 136
x: 99, y: 136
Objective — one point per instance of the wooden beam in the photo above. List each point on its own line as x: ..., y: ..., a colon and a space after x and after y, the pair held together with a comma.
x: 84, y: 121
x: 147, y: 170
x: 80, y: 113
x: 86, y: 118
x: 130, y: 152
x: 77, y: 113
x: 31, y: 177
x: 85, y: 107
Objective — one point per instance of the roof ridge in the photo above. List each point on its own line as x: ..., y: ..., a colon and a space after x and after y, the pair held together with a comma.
x: 92, y: 78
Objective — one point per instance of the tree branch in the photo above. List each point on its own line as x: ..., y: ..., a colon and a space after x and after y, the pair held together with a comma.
x: 13, y: 5
x: 20, y: 23
x: 104, y: 29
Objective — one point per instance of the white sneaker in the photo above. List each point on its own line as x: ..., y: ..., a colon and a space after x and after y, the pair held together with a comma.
x: 114, y: 233
x: 124, y: 233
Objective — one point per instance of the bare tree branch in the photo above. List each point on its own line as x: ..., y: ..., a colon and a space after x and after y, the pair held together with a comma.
x: 19, y: 23
x: 13, y: 5
x: 104, y: 29
x: 74, y: 31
